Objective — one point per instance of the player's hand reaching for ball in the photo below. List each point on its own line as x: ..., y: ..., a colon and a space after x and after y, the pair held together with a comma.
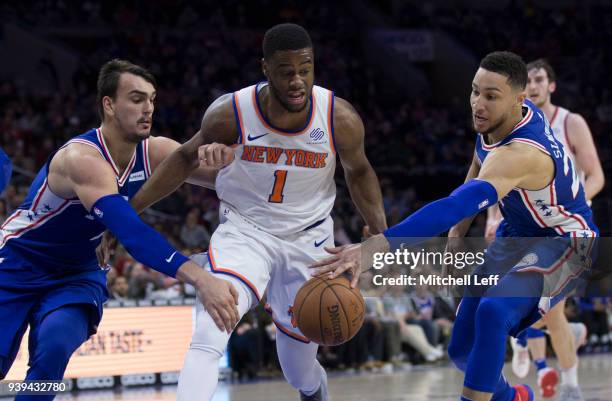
x: 215, y: 155
x: 353, y: 258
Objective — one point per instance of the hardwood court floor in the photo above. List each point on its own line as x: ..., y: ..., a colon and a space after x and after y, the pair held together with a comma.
x: 438, y: 383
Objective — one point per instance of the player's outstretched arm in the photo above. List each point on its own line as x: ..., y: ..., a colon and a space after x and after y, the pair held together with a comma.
x: 505, y: 168
x: 218, y: 125
x: 96, y: 188
x: 162, y: 147
x: 360, y: 177
x: 583, y: 146
x: 461, y: 228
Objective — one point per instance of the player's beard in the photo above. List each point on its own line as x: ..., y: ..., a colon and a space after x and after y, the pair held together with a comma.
x: 494, y: 127
x: 131, y: 134
x: 276, y: 93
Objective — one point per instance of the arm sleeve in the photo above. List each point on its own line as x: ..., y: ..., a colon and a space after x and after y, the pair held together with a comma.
x: 439, y: 216
x: 142, y: 242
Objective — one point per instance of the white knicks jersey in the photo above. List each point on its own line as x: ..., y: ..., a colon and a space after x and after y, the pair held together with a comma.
x: 281, y: 181
x: 558, y: 123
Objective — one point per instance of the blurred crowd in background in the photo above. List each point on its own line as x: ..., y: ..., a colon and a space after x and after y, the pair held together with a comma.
x: 420, y: 147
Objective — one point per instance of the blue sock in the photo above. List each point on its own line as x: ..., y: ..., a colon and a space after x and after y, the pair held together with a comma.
x: 534, y: 333
x: 540, y: 363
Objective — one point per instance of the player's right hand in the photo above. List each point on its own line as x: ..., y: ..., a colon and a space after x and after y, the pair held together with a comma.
x: 220, y: 299
x: 215, y: 155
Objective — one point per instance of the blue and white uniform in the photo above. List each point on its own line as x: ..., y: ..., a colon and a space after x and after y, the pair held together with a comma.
x: 544, y: 247
x: 560, y: 208
x: 47, y: 249
x: 557, y: 210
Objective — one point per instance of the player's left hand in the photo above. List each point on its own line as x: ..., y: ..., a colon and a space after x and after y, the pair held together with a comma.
x: 215, y: 155
x: 350, y: 258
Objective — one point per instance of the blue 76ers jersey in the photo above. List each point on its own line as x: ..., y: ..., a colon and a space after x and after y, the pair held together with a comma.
x: 50, y: 236
x: 560, y: 208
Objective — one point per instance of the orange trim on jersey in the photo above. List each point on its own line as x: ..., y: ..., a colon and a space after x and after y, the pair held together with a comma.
x: 291, y: 334
x: 330, y: 122
x: 275, y: 130
x: 239, y: 117
x: 295, y: 336
x: 229, y: 272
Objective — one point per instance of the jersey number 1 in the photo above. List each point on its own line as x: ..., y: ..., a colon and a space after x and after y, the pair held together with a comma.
x: 280, y: 176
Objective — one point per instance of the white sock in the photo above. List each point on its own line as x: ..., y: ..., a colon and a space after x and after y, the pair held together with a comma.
x: 569, y: 377
x: 200, y: 373
x: 299, y: 363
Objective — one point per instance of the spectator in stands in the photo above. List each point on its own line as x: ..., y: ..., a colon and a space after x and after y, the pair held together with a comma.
x: 412, y: 334
x: 119, y: 290
x: 193, y: 234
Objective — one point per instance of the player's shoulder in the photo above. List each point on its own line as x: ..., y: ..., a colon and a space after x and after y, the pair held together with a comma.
x: 221, y: 108
x: 77, y: 156
x: 575, y: 119
x: 344, y: 112
x: 219, y: 123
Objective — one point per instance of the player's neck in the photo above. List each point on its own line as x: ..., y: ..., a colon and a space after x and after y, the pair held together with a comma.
x: 549, y: 110
x: 506, y: 128
x: 120, y: 150
x: 278, y: 115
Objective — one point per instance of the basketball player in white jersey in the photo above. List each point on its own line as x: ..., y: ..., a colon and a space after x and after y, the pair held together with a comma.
x: 573, y: 132
x: 276, y: 145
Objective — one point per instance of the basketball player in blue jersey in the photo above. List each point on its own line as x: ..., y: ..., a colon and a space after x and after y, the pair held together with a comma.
x: 49, y: 276
x: 573, y: 132
x: 519, y: 164
x: 276, y: 145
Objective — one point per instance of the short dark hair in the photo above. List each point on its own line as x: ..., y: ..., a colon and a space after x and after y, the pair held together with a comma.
x: 285, y: 37
x: 545, y: 65
x: 508, y: 64
x: 108, y: 79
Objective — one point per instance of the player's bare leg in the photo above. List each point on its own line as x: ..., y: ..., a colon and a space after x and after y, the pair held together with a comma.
x: 548, y: 377
x: 563, y: 342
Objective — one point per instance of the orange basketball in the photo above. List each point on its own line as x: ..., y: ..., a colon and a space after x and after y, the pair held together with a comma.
x: 329, y: 312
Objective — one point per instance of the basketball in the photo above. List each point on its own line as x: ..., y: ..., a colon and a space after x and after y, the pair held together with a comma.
x: 329, y: 312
